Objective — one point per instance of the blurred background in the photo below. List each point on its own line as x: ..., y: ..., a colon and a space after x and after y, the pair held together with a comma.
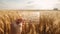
x: 30, y: 4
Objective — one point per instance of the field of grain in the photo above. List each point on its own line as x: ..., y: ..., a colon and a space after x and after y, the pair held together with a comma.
x: 36, y: 22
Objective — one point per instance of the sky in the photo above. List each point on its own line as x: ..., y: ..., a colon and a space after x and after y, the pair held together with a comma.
x: 30, y: 4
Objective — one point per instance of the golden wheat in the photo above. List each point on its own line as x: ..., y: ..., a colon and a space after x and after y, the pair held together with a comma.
x: 49, y: 23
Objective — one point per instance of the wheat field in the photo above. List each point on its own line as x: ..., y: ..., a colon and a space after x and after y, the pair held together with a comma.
x: 36, y: 22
